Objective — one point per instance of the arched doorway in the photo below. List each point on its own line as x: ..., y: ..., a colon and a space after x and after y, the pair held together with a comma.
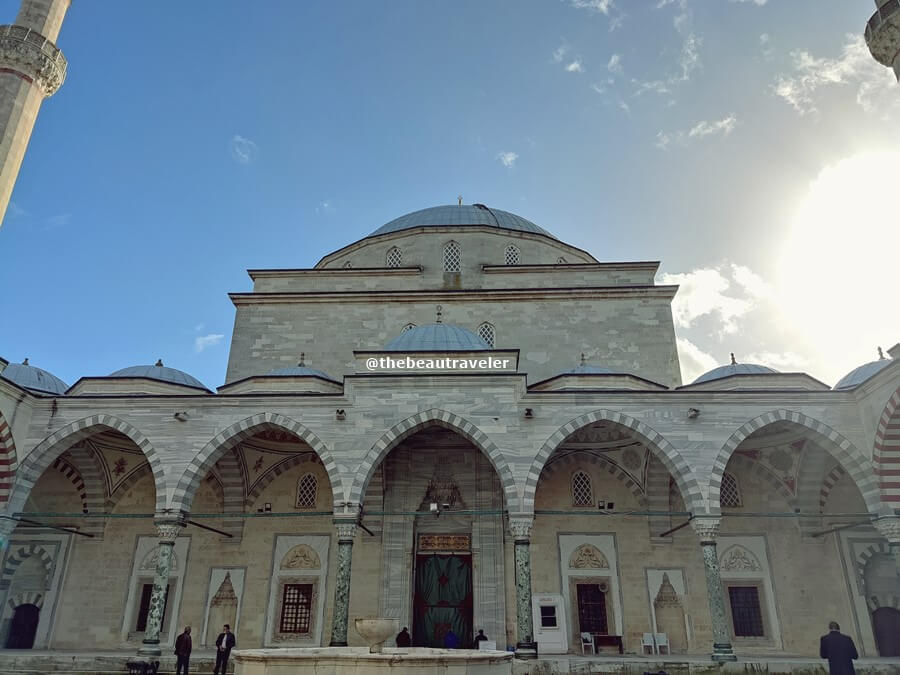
x: 23, y: 627
x: 886, y: 625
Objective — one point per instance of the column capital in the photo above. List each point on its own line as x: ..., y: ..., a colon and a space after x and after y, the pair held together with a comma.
x: 346, y: 530
x: 520, y: 526
x: 168, y: 529
x: 889, y: 528
x: 706, y: 528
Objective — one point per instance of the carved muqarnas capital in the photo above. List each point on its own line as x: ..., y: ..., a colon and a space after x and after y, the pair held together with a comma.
x: 706, y: 528
x: 168, y: 531
x: 889, y: 529
x: 33, y: 56
x: 521, y: 528
x: 346, y: 530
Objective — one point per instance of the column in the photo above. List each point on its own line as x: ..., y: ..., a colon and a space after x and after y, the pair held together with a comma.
x: 889, y: 527
x: 707, y: 529
x: 7, y: 525
x: 520, y: 527
x: 346, y: 530
x: 167, y: 531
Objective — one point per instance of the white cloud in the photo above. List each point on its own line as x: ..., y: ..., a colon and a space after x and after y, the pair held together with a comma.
x: 690, y: 56
x: 702, y: 129
x: 786, y: 362
x: 243, y: 150
x: 508, y: 159
x: 758, y: 3
x: 624, y: 106
x: 694, y: 361
x: 203, y: 342
x: 615, y: 63
x: 575, y: 67
x: 559, y: 53
x: 855, y: 68
x: 601, y: 6
x: 325, y: 206
x: 765, y: 43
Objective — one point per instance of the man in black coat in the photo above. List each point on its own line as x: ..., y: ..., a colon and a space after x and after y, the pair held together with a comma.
x: 224, y: 643
x: 183, y: 651
x: 839, y: 650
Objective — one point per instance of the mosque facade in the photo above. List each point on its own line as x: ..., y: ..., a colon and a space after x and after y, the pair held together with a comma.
x: 464, y: 423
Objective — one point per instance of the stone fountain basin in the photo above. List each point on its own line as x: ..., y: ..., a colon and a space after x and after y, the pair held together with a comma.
x: 357, y: 660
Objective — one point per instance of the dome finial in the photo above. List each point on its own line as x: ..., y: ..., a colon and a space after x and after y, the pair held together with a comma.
x: 733, y: 362
x: 880, y: 354
x: 25, y: 362
x: 459, y: 200
x: 302, y: 359
x: 439, y: 308
x: 159, y: 363
x: 582, y: 358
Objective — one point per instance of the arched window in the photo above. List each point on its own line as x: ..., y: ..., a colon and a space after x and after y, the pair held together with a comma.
x: 407, y: 327
x: 348, y: 265
x: 729, y: 493
x: 307, y: 487
x: 487, y: 333
x: 451, y: 257
x: 582, y: 494
x: 512, y: 255
x: 394, y: 257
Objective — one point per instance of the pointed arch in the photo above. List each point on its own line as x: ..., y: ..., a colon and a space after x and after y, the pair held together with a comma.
x: 439, y: 418
x: 576, y: 459
x: 886, y: 452
x: 841, y: 449
x: 19, y: 555
x: 661, y: 448
x: 276, y: 470
x: 831, y: 479
x: 37, y: 461
x: 229, y: 438
x: 8, y: 460
x: 759, y: 471
x: 129, y: 482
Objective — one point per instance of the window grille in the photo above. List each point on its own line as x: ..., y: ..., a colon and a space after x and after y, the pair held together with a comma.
x: 306, y: 492
x: 512, y: 255
x: 451, y: 257
x: 746, y: 614
x: 560, y: 261
x: 296, y: 608
x: 487, y: 333
x: 582, y: 494
x: 729, y: 494
x: 394, y: 257
x: 407, y: 327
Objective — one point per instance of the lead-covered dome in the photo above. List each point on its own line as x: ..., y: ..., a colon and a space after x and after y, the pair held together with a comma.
x: 34, y: 379
x: 300, y: 371
x: 859, y: 375
x: 437, y: 337
x: 161, y: 373
x: 462, y: 215
x: 734, y: 369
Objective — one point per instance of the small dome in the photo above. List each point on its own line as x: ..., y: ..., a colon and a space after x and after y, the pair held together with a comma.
x: 34, y: 378
x: 161, y: 373
x: 859, y: 375
x: 585, y: 368
x: 437, y: 337
x: 300, y: 370
x: 461, y: 215
x: 734, y: 368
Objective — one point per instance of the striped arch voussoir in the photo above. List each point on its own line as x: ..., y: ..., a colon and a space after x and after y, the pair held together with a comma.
x: 887, y: 453
x: 841, y: 449
x: 43, y: 455
x: 8, y: 460
x: 273, y: 472
x: 20, y: 555
x: 831, y: 479
x: 757, y: 470
x: 441, y: 418
x: 229, y: 438
x: 26, y: 598
x: 661, y: 448
x: 863, y: 557
x: 577, y: 460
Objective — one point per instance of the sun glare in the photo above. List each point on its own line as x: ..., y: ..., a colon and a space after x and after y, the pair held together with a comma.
x: 838, y: 272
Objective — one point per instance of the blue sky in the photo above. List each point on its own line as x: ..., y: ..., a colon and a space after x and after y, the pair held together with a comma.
x: 748, y: 145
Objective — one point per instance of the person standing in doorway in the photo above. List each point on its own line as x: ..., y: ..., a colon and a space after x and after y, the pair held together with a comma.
x: 481, y: 637
x: 183, y: 651
x: 403, y: 638
x: 224, y: 644
x: 839, y: 650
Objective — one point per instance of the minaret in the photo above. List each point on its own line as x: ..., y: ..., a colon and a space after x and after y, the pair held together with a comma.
x: 883, y: 34
x: 31, y: 69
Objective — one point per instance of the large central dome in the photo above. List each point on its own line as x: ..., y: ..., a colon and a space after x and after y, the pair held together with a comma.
x: 476, y: 215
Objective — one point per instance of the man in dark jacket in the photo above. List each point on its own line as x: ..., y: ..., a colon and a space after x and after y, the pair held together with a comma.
x: 839, y: 650
x: 183, y: 651
x: 224, y: 643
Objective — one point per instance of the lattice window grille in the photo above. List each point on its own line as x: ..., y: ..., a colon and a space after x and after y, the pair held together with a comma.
x: 487, y: 333
x: 512, y: 255
x: 307, y: 488
x: 729, y: 493
x: 296, y: 608
x: 407, y: 327
x: 746, y: 612
x: 582, y: 494
x: 394, y: 257
x: 451, y: 257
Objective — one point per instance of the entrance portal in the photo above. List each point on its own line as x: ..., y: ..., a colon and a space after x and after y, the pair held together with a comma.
x: 23, y: 627
x: 591, y: 609
x: 443, y: 599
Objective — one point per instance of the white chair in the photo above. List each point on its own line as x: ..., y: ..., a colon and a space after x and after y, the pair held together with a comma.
x: 662, y: 640
x: 587, y: 641
x: 648, y: 643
